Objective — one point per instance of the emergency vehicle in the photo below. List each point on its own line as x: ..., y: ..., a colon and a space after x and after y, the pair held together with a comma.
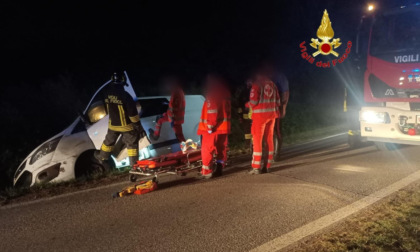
x: 69, y: 154
x: 389, y: 39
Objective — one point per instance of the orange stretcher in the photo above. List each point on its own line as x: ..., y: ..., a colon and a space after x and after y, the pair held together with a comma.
x: 178, y: 163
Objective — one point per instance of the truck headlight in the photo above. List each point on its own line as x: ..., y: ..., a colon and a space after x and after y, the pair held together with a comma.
x: 374, y: 117
x: 45, y: 149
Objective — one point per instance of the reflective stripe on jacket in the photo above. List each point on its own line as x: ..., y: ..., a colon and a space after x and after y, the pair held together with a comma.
x: 216, y: 112
x: 176, y: 109
x: 264, y: 100
x: 121, y: 108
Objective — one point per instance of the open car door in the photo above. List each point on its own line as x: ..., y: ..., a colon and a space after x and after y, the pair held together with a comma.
x: 97, y: 116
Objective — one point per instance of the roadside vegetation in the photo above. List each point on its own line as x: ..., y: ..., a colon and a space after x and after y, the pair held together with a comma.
x: 13, y: 194
x: 392, y: 225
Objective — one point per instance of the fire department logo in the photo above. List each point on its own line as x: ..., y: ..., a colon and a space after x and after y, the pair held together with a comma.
x: 325, y: 33
x: 325, y: 44
x: 268, y: 91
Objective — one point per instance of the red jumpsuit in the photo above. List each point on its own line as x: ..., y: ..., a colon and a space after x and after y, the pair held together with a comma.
x: 264, y: 100
x: 174, y: 114
x: 214, y: 127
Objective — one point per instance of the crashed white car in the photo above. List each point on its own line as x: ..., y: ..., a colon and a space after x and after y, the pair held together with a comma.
x: 69, y: 154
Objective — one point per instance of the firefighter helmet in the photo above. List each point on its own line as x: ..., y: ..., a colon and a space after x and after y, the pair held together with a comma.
x: 118, y: 78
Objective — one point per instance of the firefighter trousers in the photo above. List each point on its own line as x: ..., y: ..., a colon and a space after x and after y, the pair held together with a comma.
x: 129, y: 138
x: 262, y: 132
x: 210, y: 144
x: 176, y: 127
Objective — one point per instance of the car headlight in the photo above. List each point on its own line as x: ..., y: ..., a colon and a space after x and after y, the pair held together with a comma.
x: 374, y: 117
x: 45, y: 149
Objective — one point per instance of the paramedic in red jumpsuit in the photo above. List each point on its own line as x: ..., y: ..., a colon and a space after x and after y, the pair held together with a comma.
x: 264, y: 100
x: 214, y: 126
x: 174, y: 114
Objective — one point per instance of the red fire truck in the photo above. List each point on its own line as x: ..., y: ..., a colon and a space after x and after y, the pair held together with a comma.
x: 391, y: 108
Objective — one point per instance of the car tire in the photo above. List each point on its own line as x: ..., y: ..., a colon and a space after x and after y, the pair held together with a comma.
x: 88, y: 166
x: 354, y: 141
x: 133, y: 178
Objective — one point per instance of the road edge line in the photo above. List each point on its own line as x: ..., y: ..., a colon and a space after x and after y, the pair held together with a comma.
x: 26, y: 203
x: 313, y: 227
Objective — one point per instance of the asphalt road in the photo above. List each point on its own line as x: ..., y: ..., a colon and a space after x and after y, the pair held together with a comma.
x: 236, y: 212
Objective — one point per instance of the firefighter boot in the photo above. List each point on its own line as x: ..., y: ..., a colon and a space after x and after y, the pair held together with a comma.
x: 152, y: 135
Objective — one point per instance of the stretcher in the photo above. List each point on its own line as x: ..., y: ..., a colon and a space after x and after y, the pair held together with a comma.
x: 178, y: 163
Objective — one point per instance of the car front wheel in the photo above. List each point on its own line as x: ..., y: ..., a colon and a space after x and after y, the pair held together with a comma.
x: 88, y: 166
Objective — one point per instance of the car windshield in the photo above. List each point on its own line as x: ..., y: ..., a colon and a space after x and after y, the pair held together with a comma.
x: 396, y: 32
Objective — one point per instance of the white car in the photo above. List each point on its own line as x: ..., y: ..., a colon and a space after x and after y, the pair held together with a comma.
x: 69, y: 154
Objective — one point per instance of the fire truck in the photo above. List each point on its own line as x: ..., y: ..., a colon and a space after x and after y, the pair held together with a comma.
x: 390, y: 38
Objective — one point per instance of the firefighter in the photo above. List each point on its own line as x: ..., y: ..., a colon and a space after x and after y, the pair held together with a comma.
x: 214, y: 126
x: 124, y: 120
x: 243, y: 111
x: 175, y: 112
x: 264, y: 100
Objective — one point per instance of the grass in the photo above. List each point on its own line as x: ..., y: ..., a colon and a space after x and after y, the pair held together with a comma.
x: 13, y: 194
x: 314, y: 134
x: 393, y: 225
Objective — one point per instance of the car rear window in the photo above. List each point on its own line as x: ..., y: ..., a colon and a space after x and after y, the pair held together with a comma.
x: 153, y: 107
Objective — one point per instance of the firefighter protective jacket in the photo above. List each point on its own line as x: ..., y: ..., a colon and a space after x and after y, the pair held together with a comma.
x: 264, y: 99
x: 121, y: 109
x: 176, y: 110
x: 216, y: 112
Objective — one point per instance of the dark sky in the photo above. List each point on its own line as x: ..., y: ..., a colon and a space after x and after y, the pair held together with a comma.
x: 148, y: 38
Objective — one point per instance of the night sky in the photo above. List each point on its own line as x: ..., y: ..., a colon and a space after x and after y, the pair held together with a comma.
x: 149, y: 38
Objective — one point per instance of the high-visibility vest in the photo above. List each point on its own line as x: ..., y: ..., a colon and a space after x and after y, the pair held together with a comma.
x: 216, y: 113
x: 176, y: 109
x: 264, y: 99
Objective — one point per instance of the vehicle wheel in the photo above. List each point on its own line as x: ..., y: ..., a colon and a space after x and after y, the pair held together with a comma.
x: 382, y: 146
x: 133, y: 178
x: 87, y: 165
x: 354, y: 141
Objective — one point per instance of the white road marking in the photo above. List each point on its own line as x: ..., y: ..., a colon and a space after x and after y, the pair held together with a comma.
x: 311, y: 228
x: 351, y: 168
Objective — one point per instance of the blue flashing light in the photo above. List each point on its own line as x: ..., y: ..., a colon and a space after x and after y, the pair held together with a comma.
x: 417, y: 3
x: 404, y: 71
x: 416, y: 70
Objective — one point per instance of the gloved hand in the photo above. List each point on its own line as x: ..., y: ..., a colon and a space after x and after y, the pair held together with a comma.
x: 139, y: 128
